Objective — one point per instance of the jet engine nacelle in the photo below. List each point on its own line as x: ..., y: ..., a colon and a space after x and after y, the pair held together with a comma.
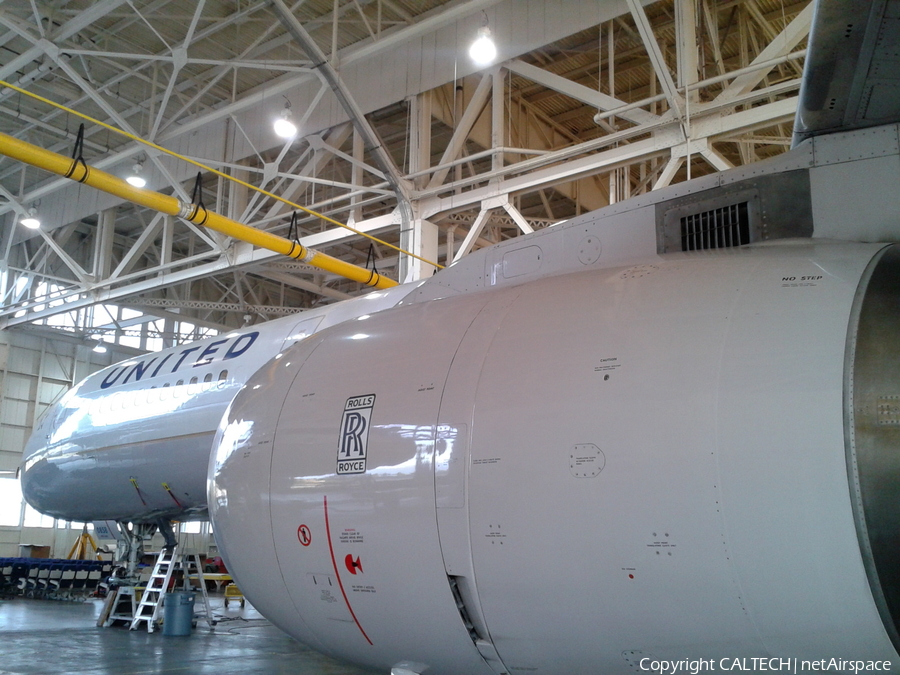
x: 691, y: 458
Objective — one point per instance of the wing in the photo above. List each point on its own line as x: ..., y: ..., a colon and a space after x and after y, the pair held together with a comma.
x: 852, y: 75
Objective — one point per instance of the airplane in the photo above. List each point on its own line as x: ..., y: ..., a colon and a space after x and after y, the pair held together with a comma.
x: 659, y: 437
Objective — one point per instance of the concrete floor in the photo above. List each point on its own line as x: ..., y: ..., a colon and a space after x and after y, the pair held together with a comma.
x: 46, y: 636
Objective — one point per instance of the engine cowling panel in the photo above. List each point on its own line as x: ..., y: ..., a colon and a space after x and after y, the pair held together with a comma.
x: 549, y: 478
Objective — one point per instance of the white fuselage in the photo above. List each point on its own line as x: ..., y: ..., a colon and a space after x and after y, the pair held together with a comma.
x: 140, y: 431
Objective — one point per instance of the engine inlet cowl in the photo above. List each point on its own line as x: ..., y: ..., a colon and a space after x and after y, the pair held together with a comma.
x: 872, y: 396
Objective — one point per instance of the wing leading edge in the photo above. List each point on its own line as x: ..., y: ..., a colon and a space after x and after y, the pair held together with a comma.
x: 851, y: 79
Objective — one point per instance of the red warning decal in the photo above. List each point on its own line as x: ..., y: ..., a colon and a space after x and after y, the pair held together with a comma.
x: 304, y: 535
x: 353, y: 565
x: 337, y: 573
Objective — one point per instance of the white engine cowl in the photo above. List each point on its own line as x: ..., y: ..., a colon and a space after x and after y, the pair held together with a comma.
x: 585, y: 473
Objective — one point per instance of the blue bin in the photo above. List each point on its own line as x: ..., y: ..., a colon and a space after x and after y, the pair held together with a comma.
x: 178, y: 616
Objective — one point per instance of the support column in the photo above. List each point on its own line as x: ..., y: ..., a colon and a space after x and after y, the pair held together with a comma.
x: 420, y: 137
x: 238, y: 194
x: 169, y: 339
x: 168, y: 234
x: 451, y: 244
x: 498, y: 134
x: 103, y: 243
x: 356, y: 175
x: 686, y: 42
x: 6, y: 239
x: 422, y: 240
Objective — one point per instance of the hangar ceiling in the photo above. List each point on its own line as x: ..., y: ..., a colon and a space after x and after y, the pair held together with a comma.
x: 588, y: 102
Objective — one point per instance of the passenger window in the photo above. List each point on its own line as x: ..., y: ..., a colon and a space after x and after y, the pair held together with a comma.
x: 192, y: 386
x: 223, y: 379
x: 164, y: 393
x: 207, y: 380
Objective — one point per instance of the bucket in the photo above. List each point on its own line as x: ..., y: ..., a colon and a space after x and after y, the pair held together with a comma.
x: 178, y: 617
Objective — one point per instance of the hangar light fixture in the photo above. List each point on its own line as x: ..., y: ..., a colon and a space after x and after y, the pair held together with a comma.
x: 30, y: 220
x: 284, y: 128
x: 136, y: 179
x: 483, y: 51
x: 99, y: 348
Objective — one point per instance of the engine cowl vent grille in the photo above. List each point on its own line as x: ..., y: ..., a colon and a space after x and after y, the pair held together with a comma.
x: 734, y: 214
x: 723, y: 227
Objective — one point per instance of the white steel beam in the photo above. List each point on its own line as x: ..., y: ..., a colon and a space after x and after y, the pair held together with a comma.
x: 422, y: 240
x: 53, y: 53
x: 12, y: 201
x: 782, y: 45
x: 655, y: 54
x: 356, y: 176
x: 686, y: 44
x: 140, y: 246
x: 211, y: 306
x: 179, y: 60
x: 420, y: 137
x: 75, y: 268
x: 716, y: 159
x: 104, y: 236
x: 567, y: 169
x: 463, y: 128
x: 328, y: 73
x: 710, y: 20
x: 473, y: 234
x: 577, y: 91
x: 168, y: 237
x: 82, y: 20
x: 193, y: 268
x: 303, y: 284
x: 518, y: 218
x: 668, y: 173
x: 289, y: 189
x: 498, y: 115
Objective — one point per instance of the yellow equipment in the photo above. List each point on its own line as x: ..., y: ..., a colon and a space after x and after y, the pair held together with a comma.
x: 85, y: 543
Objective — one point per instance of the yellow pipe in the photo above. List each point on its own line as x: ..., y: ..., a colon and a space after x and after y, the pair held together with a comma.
x: 64, y: 166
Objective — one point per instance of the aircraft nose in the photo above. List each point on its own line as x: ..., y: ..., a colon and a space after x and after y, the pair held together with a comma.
x: 39, y: 476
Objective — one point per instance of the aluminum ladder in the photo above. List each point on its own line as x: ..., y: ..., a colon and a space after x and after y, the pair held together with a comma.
x: 151, y: 601
x: 168, y: 563
x: 194, y: 570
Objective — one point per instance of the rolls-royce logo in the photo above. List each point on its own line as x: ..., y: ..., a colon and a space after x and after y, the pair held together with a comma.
x: 354, y: 435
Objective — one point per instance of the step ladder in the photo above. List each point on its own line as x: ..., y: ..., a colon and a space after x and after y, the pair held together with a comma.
x: 194, y: 570
x: 168, y: 563
x: 120, y: 605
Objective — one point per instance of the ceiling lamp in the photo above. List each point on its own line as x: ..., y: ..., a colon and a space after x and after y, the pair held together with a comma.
x: 136, y: 179
x: 283, y: 125
x: 30, y: 220
x: 483, y: 51
x: 99, y: 347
